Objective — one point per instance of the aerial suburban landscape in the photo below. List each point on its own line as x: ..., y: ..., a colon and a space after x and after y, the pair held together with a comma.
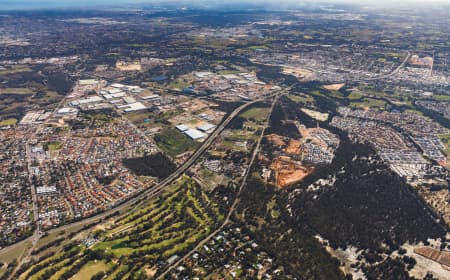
x: 214, y: 140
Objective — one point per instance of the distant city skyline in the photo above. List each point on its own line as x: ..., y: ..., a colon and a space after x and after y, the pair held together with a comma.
x: 49, y: 4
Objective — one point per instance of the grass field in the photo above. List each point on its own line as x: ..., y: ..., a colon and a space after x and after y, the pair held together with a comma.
x: 179, y: 84
x: 15, y: 69
x: 7, y: 122
x: 239, y: 135
x: 255, y: 47
x: 329, y: 93
x: 174, y: 142
x: 165, y: 226
x: 137, y: 117
x: 52, y: 236
x: 441, y: 97
x: 230, y: 145
x: 301, y: 99
x: 2, y: 270
x: 211, y: 179
x: 354, y: 95
x: 258, y: 114
x: 90, y: 269
x: 53, y: 146
x: 15, y: 91
x: 227, y: 72
x: 369, y: 103
x: 335, y: 94
x: 445, y: 139
x: 10, y: 255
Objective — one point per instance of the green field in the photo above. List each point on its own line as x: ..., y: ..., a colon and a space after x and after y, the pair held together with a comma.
x: 137, y: 117
x: 8, y: 122
x: 174, y: 142
x: 257, y: 47
x: 227, y: 72
x: 301, y: 99
x: 354, y: 95
x: 15, y: 69
x: 369, y: 103
x: 53, y: 146
x: 165, y: 226
x: 335, y: 94
x: 239, y: 135
x: 179, y: 84
x: 257, y: 114
x: 211, y: 179
x: 441, y: 97
x: 445, y: 139
x: 327, y: 93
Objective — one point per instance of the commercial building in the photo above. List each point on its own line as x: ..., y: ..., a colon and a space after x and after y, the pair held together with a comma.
x: 195, y: 134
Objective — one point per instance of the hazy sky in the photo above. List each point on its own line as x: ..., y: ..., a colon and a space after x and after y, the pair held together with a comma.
x: 43, y: 4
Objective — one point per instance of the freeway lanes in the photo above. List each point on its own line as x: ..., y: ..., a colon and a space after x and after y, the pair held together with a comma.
x: 157, y: 189
x: 236, y: 201
x: 395, y: 71
x: 153, y: 191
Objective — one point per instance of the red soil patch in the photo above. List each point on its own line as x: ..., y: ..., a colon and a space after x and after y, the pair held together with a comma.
x: 442, y: 257
x: 288, y: 171
x: 276, y: 140
x: 294, y: 147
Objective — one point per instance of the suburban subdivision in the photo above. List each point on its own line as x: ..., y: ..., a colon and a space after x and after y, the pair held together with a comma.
x: 225, y: 141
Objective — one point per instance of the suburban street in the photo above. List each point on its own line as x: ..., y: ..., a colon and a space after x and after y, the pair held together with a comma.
x: 236, y: 201
x: 149, y: 193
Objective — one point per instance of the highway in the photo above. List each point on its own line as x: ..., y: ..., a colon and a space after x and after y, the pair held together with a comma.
x: 235, y: 203
x: 37, y: 234
x: 157, y: 189
x: 395, y: 71
x: 148, y: 193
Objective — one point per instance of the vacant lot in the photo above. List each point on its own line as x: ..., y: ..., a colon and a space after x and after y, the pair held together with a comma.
x: 288, y: 172
x: 334, y: 86
x: 7, y: 122
x: 15, y: 91
x: 315, y: 114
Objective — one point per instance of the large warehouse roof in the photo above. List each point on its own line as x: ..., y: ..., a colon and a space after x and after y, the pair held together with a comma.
x: 195, y: 134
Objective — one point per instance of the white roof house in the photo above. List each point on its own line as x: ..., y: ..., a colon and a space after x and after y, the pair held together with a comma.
x: 129, y: 99
x: 195, y: 134
x: 135, y: 107
x: 117, y: 85
x: 182, y: 127
x: 206, y: 127
x: 67, y: 110
x: 88, y: 82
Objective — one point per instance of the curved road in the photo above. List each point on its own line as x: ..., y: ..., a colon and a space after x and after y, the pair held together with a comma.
x: 235, y: 203
x: 149, y: 193
x: 395, y: 71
